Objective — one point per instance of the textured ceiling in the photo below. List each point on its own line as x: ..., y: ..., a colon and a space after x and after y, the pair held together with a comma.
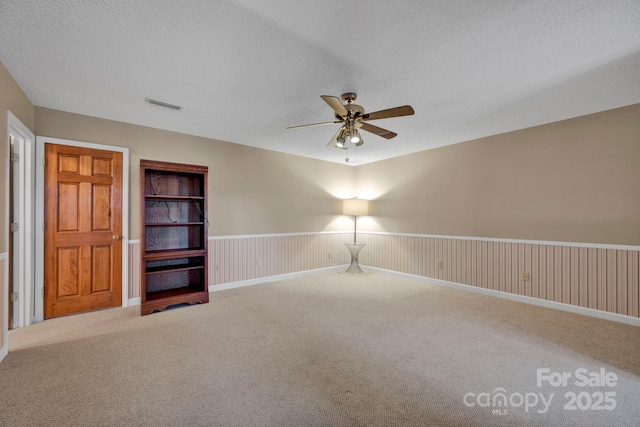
x: 244, y: 70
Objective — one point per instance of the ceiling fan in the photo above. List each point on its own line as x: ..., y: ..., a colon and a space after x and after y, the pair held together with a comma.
x: 353, y: 117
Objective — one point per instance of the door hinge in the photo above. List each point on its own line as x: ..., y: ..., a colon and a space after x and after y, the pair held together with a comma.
x: 15, y: 157
x: 14, y: 296
x: 14, y: 227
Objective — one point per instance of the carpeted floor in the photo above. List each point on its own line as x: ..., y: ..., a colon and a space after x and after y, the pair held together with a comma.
x: 325, y: 350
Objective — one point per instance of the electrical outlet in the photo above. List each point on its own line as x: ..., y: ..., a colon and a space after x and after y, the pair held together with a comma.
x: 330, y: 255
x: 216, y: 268
x: 438, y: 264
x: 525, y: 277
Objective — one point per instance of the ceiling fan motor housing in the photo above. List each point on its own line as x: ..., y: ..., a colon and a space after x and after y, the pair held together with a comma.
x: 349, y: 97
x: 354, y: 110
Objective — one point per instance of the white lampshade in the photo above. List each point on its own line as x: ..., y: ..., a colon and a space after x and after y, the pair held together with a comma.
x: 355, y: 207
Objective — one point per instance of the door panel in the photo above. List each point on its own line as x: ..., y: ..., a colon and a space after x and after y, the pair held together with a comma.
x: 101, y: 206
x: 68, y: 206
x: 83, y: 220
x: 100, y: 268
x: 68, y: 273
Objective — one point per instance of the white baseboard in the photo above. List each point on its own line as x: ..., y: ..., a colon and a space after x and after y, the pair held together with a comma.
x: 4, y: 308
x: 520, y: 298
x: 251, y: 282
x: 134, y: 301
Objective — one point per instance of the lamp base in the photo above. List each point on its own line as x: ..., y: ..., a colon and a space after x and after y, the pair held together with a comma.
x: 354, y: 249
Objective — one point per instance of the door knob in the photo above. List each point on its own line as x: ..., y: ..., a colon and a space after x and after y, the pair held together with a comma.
x: 116, y: 237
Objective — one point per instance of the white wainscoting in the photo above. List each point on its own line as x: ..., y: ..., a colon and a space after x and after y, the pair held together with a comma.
x: 597, y: 277
x: 134, y: 272
x: 241, y: 258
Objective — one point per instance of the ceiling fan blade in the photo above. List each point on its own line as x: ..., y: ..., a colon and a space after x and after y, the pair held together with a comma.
x: 405, y: 110
x: 336, y: 104
x: 375, y: 129
x: 315, y: 124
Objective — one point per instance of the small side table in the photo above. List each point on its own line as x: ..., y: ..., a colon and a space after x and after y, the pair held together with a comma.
x: 354, y: 248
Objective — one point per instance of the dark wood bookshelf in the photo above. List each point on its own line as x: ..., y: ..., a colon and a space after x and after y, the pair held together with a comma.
x: 174, y: 235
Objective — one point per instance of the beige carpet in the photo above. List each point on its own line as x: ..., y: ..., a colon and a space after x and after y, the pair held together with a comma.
x: 323, y: 350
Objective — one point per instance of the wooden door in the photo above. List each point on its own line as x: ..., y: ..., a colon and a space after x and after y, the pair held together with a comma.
x: 83, y: 225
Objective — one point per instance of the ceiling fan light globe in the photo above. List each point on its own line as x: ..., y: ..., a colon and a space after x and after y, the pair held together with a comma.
x: 355, y: 136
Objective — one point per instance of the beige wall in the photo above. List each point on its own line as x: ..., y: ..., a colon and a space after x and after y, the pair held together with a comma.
x: 12, y: 98
x: 251, y: 191
x: 576, y: 180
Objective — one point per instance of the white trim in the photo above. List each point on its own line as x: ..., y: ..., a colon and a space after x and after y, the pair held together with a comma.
x: 134, y: 241
x: 267, y: 279
x: 4, y: 285
x: 134, y: 301
x: 17, y: 125
x: 492, y: 239
x: 437, y: 236
x: 40, y: 141
x: 519, y: 298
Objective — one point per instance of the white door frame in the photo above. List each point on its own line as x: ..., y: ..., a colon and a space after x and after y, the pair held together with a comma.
x: 39, y: 256
x: 4, y: 287
x: 22, y: 250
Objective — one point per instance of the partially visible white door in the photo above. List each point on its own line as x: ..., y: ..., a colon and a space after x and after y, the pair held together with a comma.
x: 16, y: 238
x: 21, y: 219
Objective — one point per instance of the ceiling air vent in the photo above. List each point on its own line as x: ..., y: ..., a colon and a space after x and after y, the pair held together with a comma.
x: 163, y: 104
